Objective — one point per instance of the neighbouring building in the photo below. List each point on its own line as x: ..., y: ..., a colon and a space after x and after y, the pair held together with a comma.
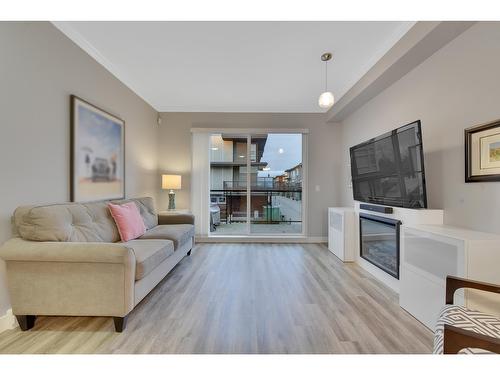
x: 228, y: 175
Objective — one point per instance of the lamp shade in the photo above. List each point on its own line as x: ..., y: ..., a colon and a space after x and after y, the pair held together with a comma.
x: 171, y: 181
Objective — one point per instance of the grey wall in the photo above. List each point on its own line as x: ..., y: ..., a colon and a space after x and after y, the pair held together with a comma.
x: 457, y: 87
x: 39, y: 69
x: 175, y: 153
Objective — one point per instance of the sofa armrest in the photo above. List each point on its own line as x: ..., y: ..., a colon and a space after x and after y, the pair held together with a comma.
x: 18, y: 249
x: 165, y: 219
x: 69, y: 278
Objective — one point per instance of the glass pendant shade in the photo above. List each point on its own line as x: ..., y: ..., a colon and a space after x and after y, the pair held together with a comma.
x: 326, y: 100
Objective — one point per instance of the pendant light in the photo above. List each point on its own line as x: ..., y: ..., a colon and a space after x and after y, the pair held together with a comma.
x: 326, y: 99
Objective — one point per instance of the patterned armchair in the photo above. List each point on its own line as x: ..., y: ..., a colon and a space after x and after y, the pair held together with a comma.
x: 462, y: 330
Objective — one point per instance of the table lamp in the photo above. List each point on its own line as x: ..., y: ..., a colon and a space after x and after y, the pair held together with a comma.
x: 171, y: 182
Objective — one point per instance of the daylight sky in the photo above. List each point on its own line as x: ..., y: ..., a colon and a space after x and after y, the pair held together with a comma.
x: 291, y: 145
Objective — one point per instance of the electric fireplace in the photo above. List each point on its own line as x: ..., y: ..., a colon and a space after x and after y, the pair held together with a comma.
x: 379, y: 242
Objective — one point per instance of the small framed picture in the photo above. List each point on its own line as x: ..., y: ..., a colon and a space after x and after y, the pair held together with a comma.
x: 482, y: 153
x: 97, y: 153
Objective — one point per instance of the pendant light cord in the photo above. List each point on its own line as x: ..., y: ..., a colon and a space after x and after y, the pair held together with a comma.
x: 326, y: 76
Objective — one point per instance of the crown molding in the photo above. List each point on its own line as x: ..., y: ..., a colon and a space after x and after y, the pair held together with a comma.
x: 84, y: 44
x: 242, y: 109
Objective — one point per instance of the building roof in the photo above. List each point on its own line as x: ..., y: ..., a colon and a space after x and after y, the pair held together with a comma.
x: 296, y: 167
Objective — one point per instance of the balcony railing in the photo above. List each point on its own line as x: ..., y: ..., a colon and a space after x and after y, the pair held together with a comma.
x: 272, y: 201
x: 265, y: 184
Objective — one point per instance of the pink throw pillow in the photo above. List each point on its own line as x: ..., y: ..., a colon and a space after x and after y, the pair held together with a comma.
x: 128, y: 220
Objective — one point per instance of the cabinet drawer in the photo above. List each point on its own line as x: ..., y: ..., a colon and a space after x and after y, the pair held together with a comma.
x: 435, y: 256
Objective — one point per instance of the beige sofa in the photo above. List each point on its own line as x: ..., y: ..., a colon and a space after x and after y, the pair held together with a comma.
x: 66, y: 260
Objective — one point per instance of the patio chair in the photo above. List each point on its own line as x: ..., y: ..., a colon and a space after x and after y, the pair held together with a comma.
x: 462, y: 330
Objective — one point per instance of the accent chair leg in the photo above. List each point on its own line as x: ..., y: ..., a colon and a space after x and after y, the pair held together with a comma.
x: 26, y: 322
x: 189, y: 252
x: 120, y: 323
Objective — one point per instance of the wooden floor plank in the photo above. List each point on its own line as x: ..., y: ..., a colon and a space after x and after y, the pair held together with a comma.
x: 245, y: 298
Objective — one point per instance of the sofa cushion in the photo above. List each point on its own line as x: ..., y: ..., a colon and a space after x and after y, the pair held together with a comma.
x: 178, y: 233
x: 128, y: 220
x: 68, y: 222
x: 76, y: 222
x: 470, y: 320
x: 149, y: 254
x: 146, y: 208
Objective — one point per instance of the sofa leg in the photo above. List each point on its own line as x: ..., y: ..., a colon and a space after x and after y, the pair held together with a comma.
x: 120, y: 323
x: 26, y: 322
x: 189, y: 252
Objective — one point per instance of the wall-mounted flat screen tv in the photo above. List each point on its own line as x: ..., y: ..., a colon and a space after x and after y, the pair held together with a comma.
x: 389, y: 169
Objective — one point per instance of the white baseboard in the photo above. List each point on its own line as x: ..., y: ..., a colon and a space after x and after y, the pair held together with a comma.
x: 269, y: 239
x: 380, y: 275
x: 8, y: 321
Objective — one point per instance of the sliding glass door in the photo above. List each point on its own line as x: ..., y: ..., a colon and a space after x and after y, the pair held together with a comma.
x: 276, y: 184
x: 256, y: 184
x: 228, y: 184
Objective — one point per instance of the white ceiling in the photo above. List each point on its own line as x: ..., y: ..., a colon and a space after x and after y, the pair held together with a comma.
x: 235, y: 66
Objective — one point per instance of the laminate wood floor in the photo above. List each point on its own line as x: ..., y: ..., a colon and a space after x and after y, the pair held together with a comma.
x: 245, y: 298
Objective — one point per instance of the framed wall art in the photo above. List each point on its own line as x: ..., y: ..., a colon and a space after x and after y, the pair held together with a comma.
x: 482, y: 152
x: 97, y: 169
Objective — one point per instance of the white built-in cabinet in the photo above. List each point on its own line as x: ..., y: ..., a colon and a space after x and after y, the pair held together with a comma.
x: 342, y: 233
x: 431, y: 252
